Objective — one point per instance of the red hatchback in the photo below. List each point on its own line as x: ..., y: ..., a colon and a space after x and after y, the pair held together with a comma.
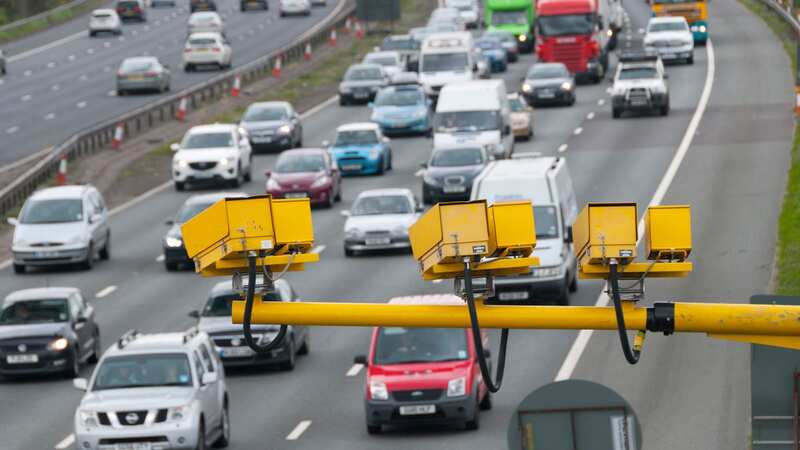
x: 423, y: 375
x: 305, y: 172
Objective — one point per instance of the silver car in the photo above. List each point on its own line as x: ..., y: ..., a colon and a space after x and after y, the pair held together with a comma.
x: 361, y: 82
x: 272, y: 125
x: 157, y: 391
x: 215, y: 319
x: 142, y: 73
x: 61, y: 225
x: 294, y: 7
x: 379, y: 220
x: 104, y: 21
x: 205, y: 22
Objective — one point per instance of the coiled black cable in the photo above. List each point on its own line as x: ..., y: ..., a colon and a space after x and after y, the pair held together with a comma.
x: 613, y: 281
x: 248, y: 313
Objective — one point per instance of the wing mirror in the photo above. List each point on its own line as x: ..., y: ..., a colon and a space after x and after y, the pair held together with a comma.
x: 174, y: 146
x: 360, y: 359
x: 12, y: 221
x: 209, y: 378
x: 195, y: 314
x: 96, y: 217
x: 81, y: 384
x: 568, y: 235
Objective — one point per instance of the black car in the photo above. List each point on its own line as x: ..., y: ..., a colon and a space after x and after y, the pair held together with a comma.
x: 549, y: 84
x: 450, y: 172
x: 272, y: 126
x: 244, y: 5
x: 172, y: 243
x: 131, y: 10
x: 215, y: 319
x: 47, y: 330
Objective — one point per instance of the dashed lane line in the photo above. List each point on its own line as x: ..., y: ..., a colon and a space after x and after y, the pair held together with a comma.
x: 298, y: 430
x: 354, y: 370
x: 106, y: 291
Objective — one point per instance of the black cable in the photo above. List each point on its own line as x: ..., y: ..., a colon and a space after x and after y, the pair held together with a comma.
x: 613, y: 281
x: 492, y: 386
x: 248, y: 313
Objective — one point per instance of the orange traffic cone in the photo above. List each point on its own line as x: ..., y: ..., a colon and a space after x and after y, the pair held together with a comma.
x: 116, y: 142
x: 237, y: 86
x: 332, y: 39
x: 61, y: 177
x: 276, y: 71
x: 182, y: 106
x: 348, y: 25
x: 307, y: 53
x: 359, y: 31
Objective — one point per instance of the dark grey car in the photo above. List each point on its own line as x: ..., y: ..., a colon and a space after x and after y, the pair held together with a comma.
x: 361, y: 82
x: 215, y: 319
x: 142, y: 73
x: 450, y: 172
x: 2, y: 62
x: 548, y: 84
x: 272, y: 126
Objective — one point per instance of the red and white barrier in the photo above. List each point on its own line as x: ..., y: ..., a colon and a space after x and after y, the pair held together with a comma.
x: 119, y: 131
x: 276, y: 71
x: 359, y: 30
x: 237, y: 86
x: 182, y: 106
x: 332, y: 39
x: 61, y: 176
x: 307, y: 52
x: 348, y: 25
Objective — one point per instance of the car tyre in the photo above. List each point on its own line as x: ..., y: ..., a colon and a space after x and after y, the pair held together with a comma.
x: 180, y: 185
x: 486, y: 403
x: 329, y: 199
x: 89, y: 262
x: 236, y: 182
x: 249, y: 175
x: 92, y: 34
x: 389, y: 164
x: 105, y: 252
x: 381, y: 166
x: 475, y: 422
x: 343, y: 100
x: 171, y: 266
x: 690, y: 60
x: 338, y: 197
x: 573, y: 285
x: 306, y: 347
x: 616, y: 113
x: 348, y: 252
x: 373, y: 429
x: 225, y: 425
x: 288, y: 366
x: 96, y: 349
x: 74, y: 370
x: 19, y: 268
x: 664, y: 110
x: 201, y: 436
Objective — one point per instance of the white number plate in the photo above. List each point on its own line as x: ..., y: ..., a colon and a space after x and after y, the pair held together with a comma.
x: 134, y: 446
x: 351, y: 167
x: 414, y: 410
x: 546, y: 94
x: 202, y: 174
x: 454, y: 189
x: 46, y: 254
x: 513, y: 296
x: 296, y: 195
x: 378, y: 241
x: 22, y: 359
x: 262, y: 140
x: 236, y: 352
x: 360, y: 94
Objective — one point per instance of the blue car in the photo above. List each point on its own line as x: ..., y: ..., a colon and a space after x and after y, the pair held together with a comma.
x: 403, y: 109
x: 361, y: 149
x: 494, y: 52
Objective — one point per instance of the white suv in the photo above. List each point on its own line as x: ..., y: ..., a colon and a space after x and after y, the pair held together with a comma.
x: 61, y: 225
x: 155, y: 391
x: 104, y: 21
x: 207, y: 49
x: 209, y: 153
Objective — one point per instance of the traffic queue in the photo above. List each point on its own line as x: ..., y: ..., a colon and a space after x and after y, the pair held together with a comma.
x: 170, y: 389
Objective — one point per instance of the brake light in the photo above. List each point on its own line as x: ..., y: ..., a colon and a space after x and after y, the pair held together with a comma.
x: 150, y: 74
x: 216, y: 49
x: 187, y: 50
x: 137, y: 9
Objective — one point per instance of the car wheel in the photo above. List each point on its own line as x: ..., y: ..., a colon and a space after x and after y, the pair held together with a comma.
x: 242, y: 7
x: 563, y: 299
x: 96, y: 349
x: 120, y: 92
x: 89, y: 262
x: 236, y: 182
x: 74, y: 370
x: 616, y: 113
x: 171, y: 266
x: 201, y: 436
x: 573, y: 285
x: 188, y: 68
x: 381, y: 166
x: 664, y: 110
x: 330, y: 199
x: 486, y: 403
x: 225, y: 425
x: 19, y: 268
x: 249, y: 174
x: 373, y: 429
x: 342, y: 100
x: 92, y: 34
x: 338, y: 197
x: 289, y: 365
x: 306, y: 347
x: 105, y: 252
x: 474, y: 423
x: 348, y: 252
x: 180, y: 185
x: 389, y: 164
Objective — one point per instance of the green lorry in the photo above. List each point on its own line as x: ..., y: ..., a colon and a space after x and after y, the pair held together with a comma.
x: 515, y: 16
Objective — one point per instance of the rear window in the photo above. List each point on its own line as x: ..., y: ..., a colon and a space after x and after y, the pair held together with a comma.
x: 127, y: 4
x: 397, y: 345
x: 136, y: 65
x: 101, y: 15
x: 221, y: 305
x: 202, y: 42
x: 363, y: 74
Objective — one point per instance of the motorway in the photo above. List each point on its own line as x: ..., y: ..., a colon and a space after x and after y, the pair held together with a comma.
x: 690, y: 393
x: 63, y: 81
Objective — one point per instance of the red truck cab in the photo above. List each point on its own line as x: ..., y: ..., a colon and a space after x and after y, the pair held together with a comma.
x: 573, y: 32
x: 423, y: 375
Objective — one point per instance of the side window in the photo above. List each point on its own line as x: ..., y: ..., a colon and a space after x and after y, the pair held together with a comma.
x: 198, y: 365
x: 100, y: 201
x: 74, y: 308
x: 206, y: 357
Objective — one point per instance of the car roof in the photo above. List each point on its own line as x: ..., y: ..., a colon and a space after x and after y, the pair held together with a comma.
x: 40, y: 293
x: 428, y: 299
x: 303, y: 151
x: 206, y: 34
x: 392, y: 53
x: 104, y: 11
x: 398, y: 37
x: 667, y: 19
x: 134, y: 342
x: 364, y: 66
x: 213, y: 197
x: 61, y: 192
x: 226, y: 287
x: 271, y: 104
x: 385, y: 191
x: 203, y: 13
x: 139, y: 58
x: 211, y: 128
x: 358, y: 126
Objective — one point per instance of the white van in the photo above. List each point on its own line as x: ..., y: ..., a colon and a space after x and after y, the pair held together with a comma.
x: 475, y: 112
x: 446, y: 58
x: 544, y: 181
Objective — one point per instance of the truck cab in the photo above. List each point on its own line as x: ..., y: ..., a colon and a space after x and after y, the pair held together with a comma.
x: 576, y: 33
x: 446, y: 58
x: 514, y: 16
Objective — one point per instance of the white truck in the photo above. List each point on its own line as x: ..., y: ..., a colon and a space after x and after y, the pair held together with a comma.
x: 446, y: 58
x: 545, y: 181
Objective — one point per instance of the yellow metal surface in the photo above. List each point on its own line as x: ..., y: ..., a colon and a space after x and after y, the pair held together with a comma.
x: 292, y: 221
x: 668, y: 232
x: 426, y: 233
x: 606, y: 230
x: 512, y: 227
x: 205, y: 229
x: 498, y: 267
x: 635, y: 270
x: 277, y: 263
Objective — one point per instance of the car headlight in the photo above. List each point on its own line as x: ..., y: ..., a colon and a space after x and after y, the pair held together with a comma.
x: 522, y: 38
x: 77, y: 239
x: 178, y: 413
x: 285, y: 129
x: 58, y: 344
x: 491, y: 148
x: 400, y: 231
x: 546, y: 272
x: 227, y: 161
x: 526, y: 87
x: 420, y: 113
x: 344, y: 89
x: 457, y: 387
x: 272, y: 185
x: 374, y: 153
x: 173, y: 241
x: 87, y: 418
x: 352, y: 232
x: 566, y: 86
x: 378, y: 391
x: 182, y: 163
x: 19, y: 242
x: 322, y: 181
x: 430, y: 179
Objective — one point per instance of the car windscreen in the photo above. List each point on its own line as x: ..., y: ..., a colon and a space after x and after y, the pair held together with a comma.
x: 363, y: 74
x: 399, y: 44
x: 502, y: 37
x: 667, y: 26
x: 381, y: 60
x: 566, y: 24
x: 517, y: 105
x: 658, y: 2
x: 300, y: 163
x: 136, y: 65
x: 265, y: 114
x: 381, y: 204
x: 457, y: 157
x: 52, y: 211
x: 448, y: 122
x: 396, y: 345
x: 402, y: 97
x: 207, y: 140
x: 189, y: 210
x: 35, y: 311
x: 635, y: 73
x: 147, y: 370
x: 488, y: 44
x: 356, y: 137
x: 442, y: 62
x: 539, y: 72
x: 513, y: 17
x: 221, y: 305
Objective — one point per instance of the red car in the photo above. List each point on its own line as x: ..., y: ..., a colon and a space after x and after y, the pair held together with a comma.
x: 305, y: 172
x: 423, y: 375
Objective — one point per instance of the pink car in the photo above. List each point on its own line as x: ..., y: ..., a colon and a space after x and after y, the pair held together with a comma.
x: 305, y: 172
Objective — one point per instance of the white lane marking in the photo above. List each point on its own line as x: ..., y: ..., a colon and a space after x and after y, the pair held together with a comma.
x: 71, y: 57
x: 27, y: 73
x: 641, y: 30
x: 66, y: 442
x: 318, y: 249
x: 298, y: 430
x: 419, y: 173
x: 354, y: 370
x: 320, y: 107
x: 90, y: 51
x: 83, y: 77
x: 112, y: 93
x: 601, y: 102
x: 578, y: 131
x: 81, y: 105
x: 105, y: 291
x: 562, y: 148
x: 25, y: 97
x: 49, y: 116
x: 107, y: 44
x: 46, y: 47
x: 51, y: 64
x: 590, y: 116
x: 55, y: 87
x: 582, y: 341
x: 160, y: 258
x: 121, y: 38
x: 12, y: 130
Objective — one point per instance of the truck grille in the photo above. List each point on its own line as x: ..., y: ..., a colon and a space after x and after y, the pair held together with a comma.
x: 131, y: 418
x: 639, y: 96
x: 415, y: 395
x: 571, y: 55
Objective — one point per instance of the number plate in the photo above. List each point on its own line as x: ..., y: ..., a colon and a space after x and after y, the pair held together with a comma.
x: 134, y: 446
x: 378, y: 241
x: 360, y: 94
x: 296, y: 195
x: 203, y: 174
x: 135, y: 77
x: 22, y: 359
x: 454, y: 189
x: 351, y: 167
x: 46, y: 254
x: 546, y: 94
x: 513, y: 295
x: 262, y: 140
x: 235, y: 352
x: 415, y: 410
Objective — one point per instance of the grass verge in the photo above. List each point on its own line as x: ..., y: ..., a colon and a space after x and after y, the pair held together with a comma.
x: 788, y: 251
x: 49, y: 21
